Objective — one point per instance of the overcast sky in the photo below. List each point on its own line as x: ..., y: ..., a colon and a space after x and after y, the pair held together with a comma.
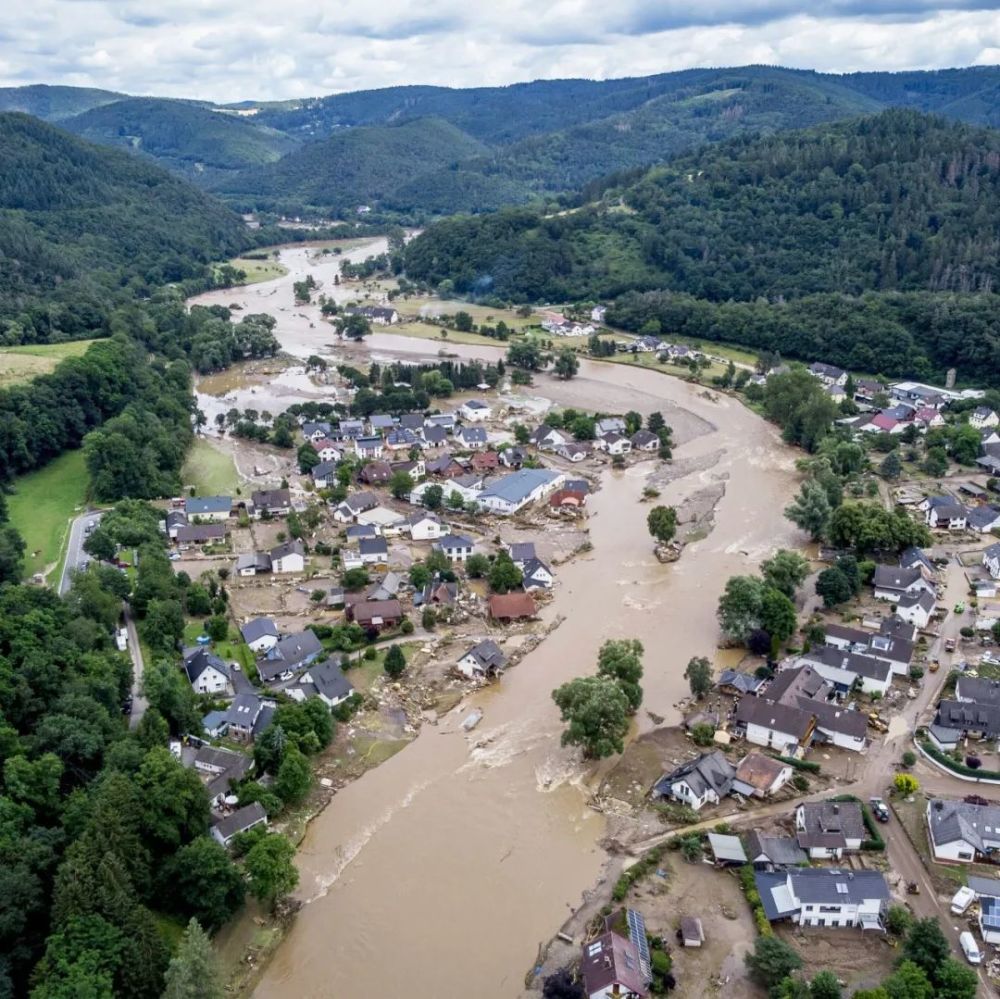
x: 258, y: 49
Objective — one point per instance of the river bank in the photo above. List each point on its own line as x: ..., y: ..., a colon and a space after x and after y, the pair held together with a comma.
x: 445, y: 867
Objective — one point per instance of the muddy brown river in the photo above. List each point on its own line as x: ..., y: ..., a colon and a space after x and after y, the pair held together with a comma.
x: 439, y: 873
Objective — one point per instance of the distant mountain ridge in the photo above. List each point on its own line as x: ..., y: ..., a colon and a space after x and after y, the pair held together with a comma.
x: 503, y: 145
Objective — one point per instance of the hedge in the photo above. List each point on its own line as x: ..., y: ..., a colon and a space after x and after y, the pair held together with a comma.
x: 749, y: 886
x: 640, y: 869
x: 808, y: 765
x: 959, y: 768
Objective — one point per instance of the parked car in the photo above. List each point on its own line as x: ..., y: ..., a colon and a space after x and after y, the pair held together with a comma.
x: 962, y: 899
x: 879, y: 809
x: 970, y: 948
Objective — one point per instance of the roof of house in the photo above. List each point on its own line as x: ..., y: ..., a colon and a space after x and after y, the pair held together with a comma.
x: 385, y: 588
x: 475, y: 404
x: 222, y: 782
x: 197, y: 661
x: 368, y: 610
x: 253, y: 560
x: 258, y: 627
x: 782, y: 718
x: 834, y: 718
x: 356, y: 531
x: 381, y: 421
x: 289, y: 654
x: 643, y: 437
x: 324, y: 469
x: 969, y: 717
x: 487, y: 654
x: 912, y: 557
x: 217, y: 758
x: 521, y: 551
x: 821, y: 368
x: 264, y: 499
x: 819, y: 885
x: 293, y: 547
x: 961, y: 822
x: 517, y: 486
x: 708, y: 772
x: 791, y: 684
x: 894, y: 577
x: 950, y: 511
x: 535, y: 569
x: 329, y: 680
x: 745, y: 683
x: 829, y: 823
x: 981, y: 517
x: 434, y: 434
x: 452, y: 541
x: 985, y: 887
x: 473, y: 435
x: 923, y: 599
x: 610, y: 959
x: 727, y: 848
x: 759, y: 771
x: 243, y: 710
x: 511, y: 605
x: 373, y: 546
x: 411, y: 421
x: 213, y: 720
x: 852, y: 662
x: 375, y: 471
x: 993, y: 551
x: 200, y: 533
x: 360, y: 501
x: 847, y: 634
x: 978, y: 690
x: 779, y: 850
x: 241, y: 820
x: 195, y: 505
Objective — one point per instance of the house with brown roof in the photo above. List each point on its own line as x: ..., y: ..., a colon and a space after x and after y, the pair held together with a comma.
x: 760, y: 776
x: 377, y: 614
x: 567, y: 498
x: 507, y: 607
x: 611, y: 966
x: 375, y: 473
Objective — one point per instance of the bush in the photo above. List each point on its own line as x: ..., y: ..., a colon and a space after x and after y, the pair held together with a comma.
x: 800, y: 782
x: 370, y: 653
x: 406, y: 627
x: 346, y: 710
x: 703, y: 734
x: 909, y: 758
x: 967, y: 632
x: 749, y: 886
x: 809, y: 766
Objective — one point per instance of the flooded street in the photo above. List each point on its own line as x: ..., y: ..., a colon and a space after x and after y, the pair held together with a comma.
x: 440, y: 872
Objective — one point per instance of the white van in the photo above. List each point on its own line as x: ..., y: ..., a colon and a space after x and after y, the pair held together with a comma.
x: 970, y: 948
x: 964, y: 897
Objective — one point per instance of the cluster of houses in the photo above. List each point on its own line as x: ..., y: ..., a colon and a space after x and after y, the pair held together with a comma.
x: 610, y: 436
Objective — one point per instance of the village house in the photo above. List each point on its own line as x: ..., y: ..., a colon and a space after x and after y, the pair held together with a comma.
x: 424, y: 526
x: 325, y: 681
x: 414, y: 469
x: 206, y: 672
x: 289, y: 556
x: 373, y: 551
x: 705, y: 780
x: 983, y: 519
x: 515, y: 491
x: 828, y: 374
x: 475, y: 411
x: 891, y: 582
x: 253, y: 563
x: 436, y: 593
x: 327, y: 450
x: 369, y: 447
x: 734, y: 682
x: 825, y: 897
x: 613, y: 443
x: 763, y: 722
x: 944, y: 513
x: 956, y: 720
x: 513, y: 457
x: 647, y: 345
x: 644, y: 440
x: 866, y: 389
x: 770, y: 853
x: 917, y: 558
x: 316, y: 431
x: 471, y: 438
x: 403, y: 439
x: 574, y: 451
x: 536, y: 575
x: 380, y: 315
x: 991, y: 560
x: 434, y: 436
x: 355, y: 505
x: 916, y: 608
x: 828, y: 829
x: 271, y: 502
x: 260, y: 634
x: 846, y: 669
x: 380, y: 422
x: 351, y: 429
x: 375, y: 473
x: 485, y: 461
x: 457, y: 547
x: 412, y: 421
x: 567, y: 499
x: 446, y: 421
x: 759, y: 776
x: 960, y: 832
x: 355, y: 532
x: 982, y: 417
x: 376, y: 614
x: 384, y: 520
x: 804, y: 688
x: 612, y: 968
x: 547, y: 438
x: 176, y: 519
x: 598, y: 312
x: 882, y: 423
x: 289, y: 656
x: 385, y: 588
x: 324, y: 475
x: 206, y: 508
x: 445, y: 467
x: 483, y: 660
x: 505, y: 608
x: 200, y: 534
x: 242, y: 820
x: 242, y: 715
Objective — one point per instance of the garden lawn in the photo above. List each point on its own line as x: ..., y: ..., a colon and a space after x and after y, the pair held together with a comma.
x: 209, y: 471
x: 42, y: 505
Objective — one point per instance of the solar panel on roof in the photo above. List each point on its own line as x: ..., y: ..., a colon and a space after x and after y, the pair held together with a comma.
x: 637, y: 934
x: 990, y: 914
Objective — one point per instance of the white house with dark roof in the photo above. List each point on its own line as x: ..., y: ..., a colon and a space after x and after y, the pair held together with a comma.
x: 424, y: 526
x: 290, y: 556
x: 292, y: 654
x: 242, y: 820
x: 475, y: 411
x: 457, y: 547
x: 242, y: 715
x: 324, y: 474
x: 537, y: 575
x: 982, y: 417
x: 826, y: 897
x: 482, y: 660
x: 206, y: 672
x: 547, y: 438
x: 916, y: 608
x: 215, y: 508
x: 845, y: 670
x: 991, y: 560
x: 705, y: 780
x: 961, y: 833
x: 891, y: 582
x: 472, y: 438
x: 613, y: 443
x: 325, y: 680
x: 829, y: 829
x: 944, y: 513
x: 260, y: 633
x: 828, y: 374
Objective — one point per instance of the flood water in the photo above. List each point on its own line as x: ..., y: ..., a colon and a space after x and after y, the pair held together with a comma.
x: 439, y: 873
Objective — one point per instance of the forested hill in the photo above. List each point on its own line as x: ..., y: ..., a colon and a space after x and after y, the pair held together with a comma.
x: 79, y: 223
x: 893, y: 202
x: 354, y: 166
x: 189, y: 138
x: 53, y: 103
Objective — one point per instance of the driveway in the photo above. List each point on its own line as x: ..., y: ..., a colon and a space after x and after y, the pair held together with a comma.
x: 74, y: 549
x: 139, y: 703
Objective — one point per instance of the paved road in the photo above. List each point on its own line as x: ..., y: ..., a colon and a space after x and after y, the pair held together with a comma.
x: 139, y: 703
x: 74, y: 552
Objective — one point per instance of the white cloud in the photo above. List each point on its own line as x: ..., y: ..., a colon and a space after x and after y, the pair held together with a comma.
x: 222, y: 51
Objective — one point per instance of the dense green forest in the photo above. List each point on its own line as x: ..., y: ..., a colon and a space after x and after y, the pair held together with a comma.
x: 353, y: 166
x: 185, y: 137
x: 794, y: 226
x: 519, y: 144
x: 82, y: 227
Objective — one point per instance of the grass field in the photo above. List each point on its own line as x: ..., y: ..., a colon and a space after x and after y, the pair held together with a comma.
x: 21, y: 364
x: 212, y: 472
x: 259, y: 270
x: 422, y: 331
x: 41, y: 507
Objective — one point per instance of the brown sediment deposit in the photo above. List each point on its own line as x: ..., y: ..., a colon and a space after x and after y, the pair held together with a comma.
x: 439, y: 872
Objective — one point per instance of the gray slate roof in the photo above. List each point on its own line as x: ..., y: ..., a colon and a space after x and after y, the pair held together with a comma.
x: 710, y: 771
x: 243, y: 710
x: 782, y: 851
x: 830, y: 823
x: 894, y: 577
x: 969, y: 717
x: 488, y: 655
x: 818, y: 885
x: 958, y: 821
x: 241, y: 820
x: 257, y: 628
x: 978, y: 690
